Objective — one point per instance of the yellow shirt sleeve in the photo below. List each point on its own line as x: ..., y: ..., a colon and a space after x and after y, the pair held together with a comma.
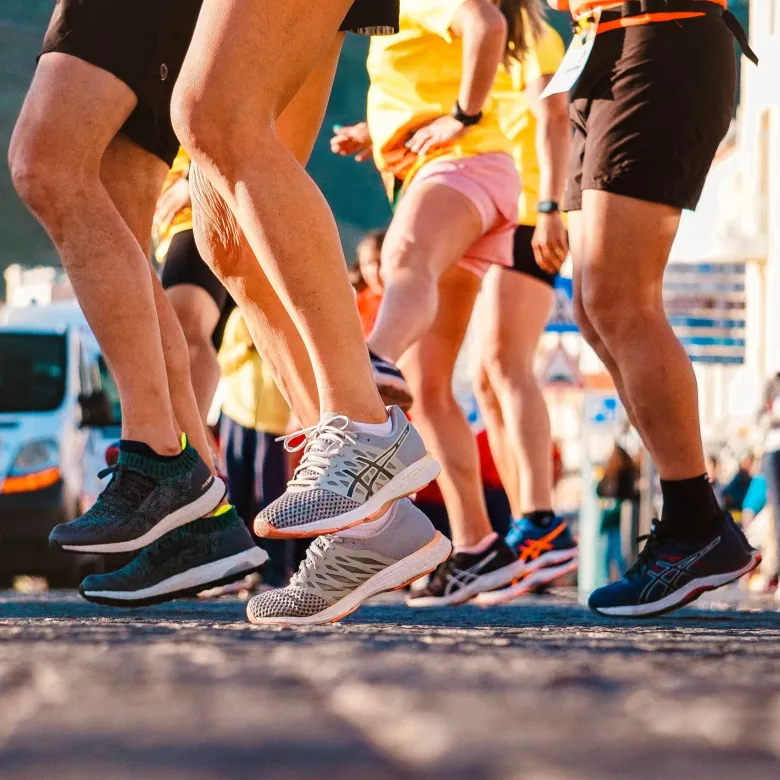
x: 544, y: 56
x: 436, y: 15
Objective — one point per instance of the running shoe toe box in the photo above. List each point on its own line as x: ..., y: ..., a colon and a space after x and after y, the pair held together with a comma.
x: 623, y: 593
x: 297, y: 508
x: 289, y: 602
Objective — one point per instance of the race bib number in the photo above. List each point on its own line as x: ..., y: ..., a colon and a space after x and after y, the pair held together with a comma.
x: 570, y: 70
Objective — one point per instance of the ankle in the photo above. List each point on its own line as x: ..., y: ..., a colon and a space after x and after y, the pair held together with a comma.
x: 690, y: 508
x: 478, y: 546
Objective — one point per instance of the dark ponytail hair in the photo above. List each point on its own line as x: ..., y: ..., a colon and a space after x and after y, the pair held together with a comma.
x: 524, y: 19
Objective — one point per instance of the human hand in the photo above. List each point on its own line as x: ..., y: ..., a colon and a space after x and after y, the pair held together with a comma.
x: 353, y: 140
x: 550, y: 243
x: 170, y: 203
x: 436, y: 133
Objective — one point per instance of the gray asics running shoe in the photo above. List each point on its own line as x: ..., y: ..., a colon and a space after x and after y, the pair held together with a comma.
x: 203, y: 554
x: 144, y: 500
x: 340, y: 573
x: 346, y: 477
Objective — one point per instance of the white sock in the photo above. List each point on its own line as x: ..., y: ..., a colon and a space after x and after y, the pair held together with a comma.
x: 374, y: 429
x: 372, y: 528
x: 479, y: 547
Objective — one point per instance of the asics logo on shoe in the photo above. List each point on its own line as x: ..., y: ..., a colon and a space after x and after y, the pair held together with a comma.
x: 374, y: 472
x: 207, y: 482
x: 461, y: 577
x: 668, y: 575
x: 533, y: 548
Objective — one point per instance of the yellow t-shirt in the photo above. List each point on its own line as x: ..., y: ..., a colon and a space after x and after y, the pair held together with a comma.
x: 251, y: 397
x: 415, y: 78
x: 183, y: 219
x: 516, y: 119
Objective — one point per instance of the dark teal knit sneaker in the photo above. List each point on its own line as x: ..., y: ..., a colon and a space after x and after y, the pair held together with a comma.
x: 206, y: 553
x: 144, y: 500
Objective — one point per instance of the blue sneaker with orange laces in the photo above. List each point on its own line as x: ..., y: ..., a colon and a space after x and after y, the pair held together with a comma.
x: 671, y: 573
x: 540, y: 546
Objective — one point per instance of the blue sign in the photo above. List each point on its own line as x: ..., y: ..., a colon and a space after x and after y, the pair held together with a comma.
x: 562, y: 317
x: 706, y: 305
x: 602, y: 411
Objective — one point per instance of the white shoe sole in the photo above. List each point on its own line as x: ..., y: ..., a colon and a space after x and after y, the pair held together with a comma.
x: 683, y: 596
x: 405, y: 483
x: 208, y: 575
x: 527, y: 584
x: 208, y: 502
x: 496, y: 579
x: 395, y: 576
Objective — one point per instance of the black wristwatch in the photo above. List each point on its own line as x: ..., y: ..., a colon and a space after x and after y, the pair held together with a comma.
x: 467, y: 120
x: 548, y: 207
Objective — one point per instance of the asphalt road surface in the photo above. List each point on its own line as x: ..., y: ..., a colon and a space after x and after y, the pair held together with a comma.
x: 539, y: 691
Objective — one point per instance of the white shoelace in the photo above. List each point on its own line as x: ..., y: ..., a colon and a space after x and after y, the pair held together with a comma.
x: 317, y: 549
x: 320, y: 444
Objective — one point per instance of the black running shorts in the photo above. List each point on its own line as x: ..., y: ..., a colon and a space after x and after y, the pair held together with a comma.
x: 650, y: 110
x: 184, y: 265
x: 143, y: 43
x: 524, y: 260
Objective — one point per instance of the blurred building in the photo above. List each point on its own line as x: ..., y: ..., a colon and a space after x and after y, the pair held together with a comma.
x: 38, y: 286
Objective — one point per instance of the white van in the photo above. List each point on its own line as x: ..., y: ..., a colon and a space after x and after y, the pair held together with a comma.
x: 53, y: 414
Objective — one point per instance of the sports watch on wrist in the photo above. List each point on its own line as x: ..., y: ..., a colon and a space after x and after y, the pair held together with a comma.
x: 548, y: 207
x: 467, y: 120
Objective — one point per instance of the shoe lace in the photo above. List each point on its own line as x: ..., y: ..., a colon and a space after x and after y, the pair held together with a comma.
x: 653, y: 541
x: 320, y: 444
x: 317, y: 551
x: 126, y: 486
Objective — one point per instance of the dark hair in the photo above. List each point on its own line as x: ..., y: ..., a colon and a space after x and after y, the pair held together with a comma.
x: 619, y: 461
x: 376, y: 238
x: 524, y: 19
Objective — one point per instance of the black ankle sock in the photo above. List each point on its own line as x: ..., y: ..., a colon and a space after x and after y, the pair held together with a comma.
x: 541, y: 518
x: 690, y: 507
x: 145, y: 451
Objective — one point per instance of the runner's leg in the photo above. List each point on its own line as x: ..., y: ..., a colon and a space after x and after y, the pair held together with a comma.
x: 227, y: 251
x: 589, y: 333
x: 498, y: 436
x: 72, y: 113
x: 513, y: 312
x: 620, y: 232
x: 428, y: 367
x: 229, y: 127
x: 126, y: 173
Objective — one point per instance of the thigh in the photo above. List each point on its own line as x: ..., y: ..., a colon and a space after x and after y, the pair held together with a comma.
x: 72, y: 112
x: 436, y: 223
x: 623, y: 247
x: 430, y: 363
x: 300, y: 121
x: 236, y: 43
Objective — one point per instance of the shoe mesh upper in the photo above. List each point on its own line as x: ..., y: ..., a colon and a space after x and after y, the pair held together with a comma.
x: 299, y: 508
x: 285, y: 602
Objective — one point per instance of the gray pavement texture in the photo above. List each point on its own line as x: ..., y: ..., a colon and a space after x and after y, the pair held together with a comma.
x: 541, y: 690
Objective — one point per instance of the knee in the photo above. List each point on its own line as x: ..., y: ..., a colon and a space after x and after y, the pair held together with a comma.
x: 433, y: 395
x: 508, y: 373
x: 584, y: 323
x: 40, y: 176
x: 403, y: 258
x: 214, y: 129
x: 191, y: 320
